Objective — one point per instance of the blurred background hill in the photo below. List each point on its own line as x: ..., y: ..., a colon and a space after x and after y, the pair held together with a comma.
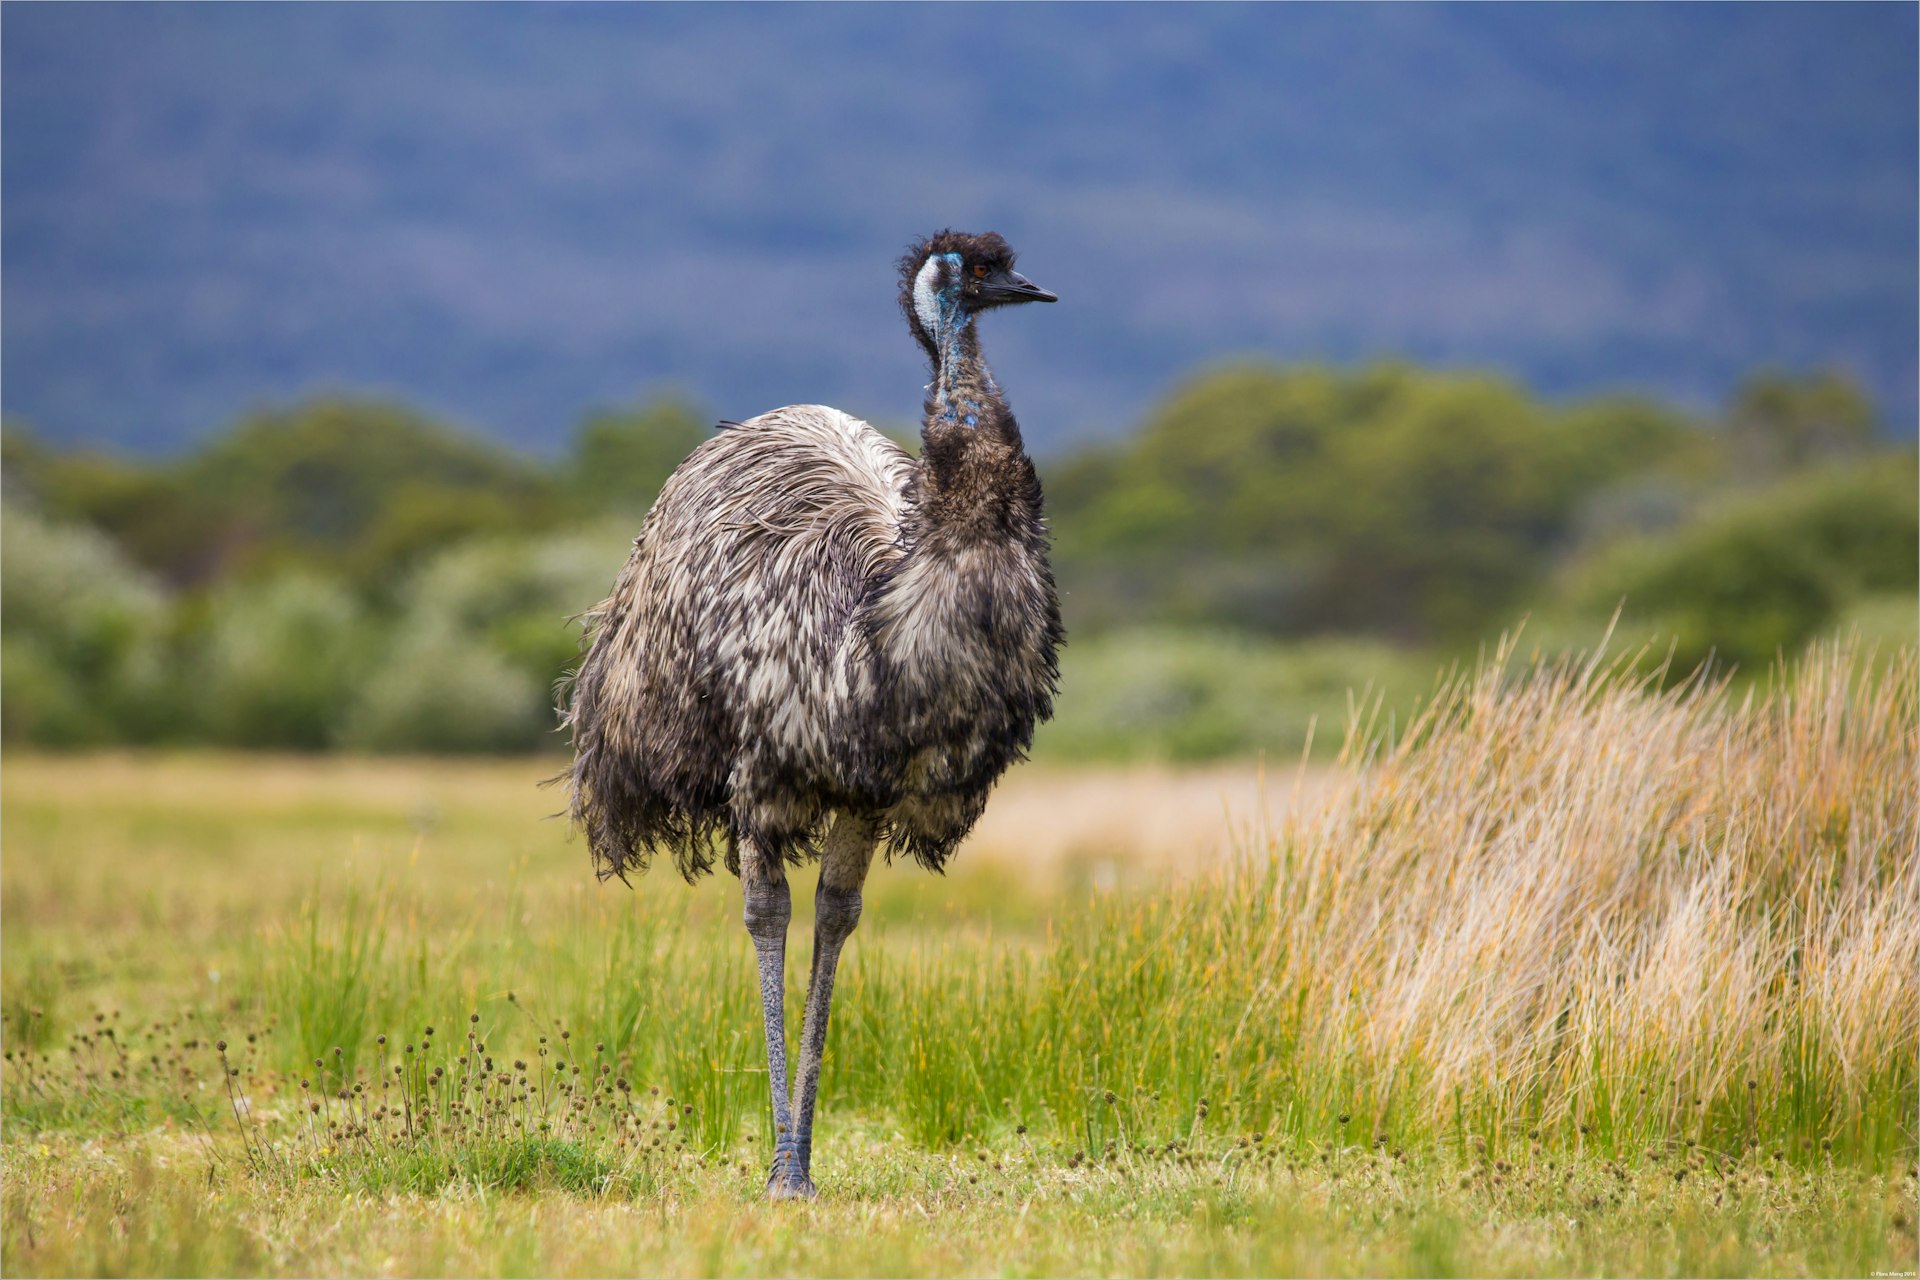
x: 503, y: 214
x: 1383, y: 327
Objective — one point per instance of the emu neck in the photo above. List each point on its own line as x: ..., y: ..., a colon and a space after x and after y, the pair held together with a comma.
x: 964, y: 393
x: 976, y: 481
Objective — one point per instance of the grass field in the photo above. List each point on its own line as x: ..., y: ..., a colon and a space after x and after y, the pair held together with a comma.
x: 1567, y: 978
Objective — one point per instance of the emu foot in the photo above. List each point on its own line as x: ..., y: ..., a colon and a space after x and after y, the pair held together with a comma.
x: 788, y: 1179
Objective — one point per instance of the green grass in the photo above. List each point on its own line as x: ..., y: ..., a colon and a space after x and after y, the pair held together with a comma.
x: 1570, y: 978
x: 160, y: 1205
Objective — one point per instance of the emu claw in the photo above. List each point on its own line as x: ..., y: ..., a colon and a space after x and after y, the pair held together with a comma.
x: 788, y: 1179
x: 799, y: 1187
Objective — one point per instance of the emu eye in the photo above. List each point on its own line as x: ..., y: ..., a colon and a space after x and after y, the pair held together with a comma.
x: 979, y: 271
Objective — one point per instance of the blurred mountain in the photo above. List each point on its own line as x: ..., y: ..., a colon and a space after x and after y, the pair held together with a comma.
x: 508, y: 214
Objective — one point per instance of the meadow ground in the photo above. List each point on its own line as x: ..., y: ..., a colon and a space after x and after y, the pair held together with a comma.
x: 1571, y: 978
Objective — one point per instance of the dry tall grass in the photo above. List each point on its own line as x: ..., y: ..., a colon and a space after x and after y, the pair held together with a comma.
x: 1592, y: 904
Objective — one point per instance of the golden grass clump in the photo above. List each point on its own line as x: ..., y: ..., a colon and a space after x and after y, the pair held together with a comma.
x: 1564, y: 892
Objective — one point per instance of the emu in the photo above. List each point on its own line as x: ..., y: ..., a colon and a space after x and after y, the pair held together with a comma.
x: 822, y: 646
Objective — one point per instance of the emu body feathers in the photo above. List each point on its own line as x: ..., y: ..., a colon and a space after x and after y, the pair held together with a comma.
x: 814, y: 622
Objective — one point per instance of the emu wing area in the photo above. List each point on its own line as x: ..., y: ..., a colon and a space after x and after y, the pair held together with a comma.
x: 716, y: 679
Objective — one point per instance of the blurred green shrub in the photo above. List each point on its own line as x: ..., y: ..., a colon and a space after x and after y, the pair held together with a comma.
x: 84, y: 636
x: 621, y: 459
x: 440, y: 690
x: 487, y: 630
x: 1760, y: 574
x: 1389, y: 500
x: 152, y: 515
x: 277, y: 660
x: 1184, y: 695
x: 519, y: 596
x: 1879, y: 622
x: 1779, y: 423
x: 364, y: 486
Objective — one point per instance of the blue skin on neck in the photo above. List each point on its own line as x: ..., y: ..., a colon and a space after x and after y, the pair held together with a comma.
x: 949, y: 299
x: 951, y: 327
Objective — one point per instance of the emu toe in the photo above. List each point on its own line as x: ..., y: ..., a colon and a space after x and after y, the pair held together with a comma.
x: 788, y: 1179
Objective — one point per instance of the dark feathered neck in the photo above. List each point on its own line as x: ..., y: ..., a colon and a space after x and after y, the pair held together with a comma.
x: 963, y: 394
x: 975, y: 476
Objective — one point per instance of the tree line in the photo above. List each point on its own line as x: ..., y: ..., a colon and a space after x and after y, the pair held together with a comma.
x: 353, y: 573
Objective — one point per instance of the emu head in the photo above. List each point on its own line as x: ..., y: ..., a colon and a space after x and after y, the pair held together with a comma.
x: 951, y: 276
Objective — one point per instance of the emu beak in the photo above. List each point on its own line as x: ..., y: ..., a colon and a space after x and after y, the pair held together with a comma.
x: 1011, y: 286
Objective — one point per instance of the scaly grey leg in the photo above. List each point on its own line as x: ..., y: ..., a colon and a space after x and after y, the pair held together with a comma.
x: 769, y: 905
x: 843, y: 870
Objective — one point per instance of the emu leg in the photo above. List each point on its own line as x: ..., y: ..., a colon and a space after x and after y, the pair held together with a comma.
x: 843, y: 870
x: 769, y: 905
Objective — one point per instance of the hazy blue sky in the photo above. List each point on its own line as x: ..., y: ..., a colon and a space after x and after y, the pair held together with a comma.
x: 509, y: 214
